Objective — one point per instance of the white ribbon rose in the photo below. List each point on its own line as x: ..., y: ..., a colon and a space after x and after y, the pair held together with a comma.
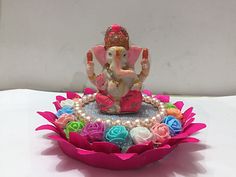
x: 67, y: 102
x: 141, y: 135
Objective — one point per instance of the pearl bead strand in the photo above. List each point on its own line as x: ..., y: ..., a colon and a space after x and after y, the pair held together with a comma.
x: 147, y: 122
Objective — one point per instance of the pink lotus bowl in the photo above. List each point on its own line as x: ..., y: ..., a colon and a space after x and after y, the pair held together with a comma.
x: 108, y: 155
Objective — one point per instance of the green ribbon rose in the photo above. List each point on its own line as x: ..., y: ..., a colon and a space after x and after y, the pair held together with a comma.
x: 73, y: 126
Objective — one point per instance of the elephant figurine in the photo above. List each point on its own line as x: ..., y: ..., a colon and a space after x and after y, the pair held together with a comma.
x: 119, y: 86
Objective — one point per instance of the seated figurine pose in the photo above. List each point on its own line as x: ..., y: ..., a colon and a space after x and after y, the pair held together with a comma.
x: 118, y: 85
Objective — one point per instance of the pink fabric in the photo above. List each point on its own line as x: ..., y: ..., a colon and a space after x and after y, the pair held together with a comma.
x: 100, y: 81
x: 104, y: 102
x: 131, y: 102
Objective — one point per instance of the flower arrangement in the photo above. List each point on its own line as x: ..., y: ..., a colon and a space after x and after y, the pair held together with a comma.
x: 118, y: 146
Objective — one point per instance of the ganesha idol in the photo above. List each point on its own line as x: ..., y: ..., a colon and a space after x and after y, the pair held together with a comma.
x: 118, y: 85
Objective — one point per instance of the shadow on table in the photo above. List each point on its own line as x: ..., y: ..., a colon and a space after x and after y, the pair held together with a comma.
x: 184, y: 160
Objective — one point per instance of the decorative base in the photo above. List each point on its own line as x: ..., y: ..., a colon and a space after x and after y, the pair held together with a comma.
x: 77, y: 118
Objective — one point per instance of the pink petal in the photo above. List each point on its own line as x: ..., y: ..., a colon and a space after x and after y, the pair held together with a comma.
x: 191, y: 115
x: 189, y: 140
x: 173, y: 140
x: 57, y: 138
x: 72, y: 95
x: 188, y: 122
x: 57, y: 105
x: 187, y: 113
x: 147, y: 92
x: 179, y: 105
x: 49, y: 116
x: 166, y: 146
x: 125, y: 156
x: 79, y: 141
x: 163, y: 98
x: 139, y: 148
x: 60, y: 98
x: 89, y: 91
x: 105, y: 147
x: 194, y: 127
x: 179, y: 136
x: 48, y: 127
x: 116, y: 161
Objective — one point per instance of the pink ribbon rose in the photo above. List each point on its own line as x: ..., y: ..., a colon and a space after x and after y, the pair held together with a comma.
x: 161, y: 132
x: 93, y: 131
x: 64, y: 119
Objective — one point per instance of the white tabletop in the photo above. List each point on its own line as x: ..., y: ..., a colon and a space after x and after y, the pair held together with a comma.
x: 26, y: 153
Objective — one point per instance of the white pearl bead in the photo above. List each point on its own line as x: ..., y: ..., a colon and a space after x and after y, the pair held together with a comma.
x: 79, y: 112
x: 77, y: 108
x: 80, y: 101
x: 147, y: 99
x: 153, y: 101
x: 157, y: 103
x: 127, y: 124
x: 162, y: 110
x: 83, y: 115
x: 88, y: 118
x: 153, y: 119
x: 85, y: 99
x: 136, y: 122
x: 108, y: 122
x: 162, y: 113
x: 161, y: 104
x: 145, y: 122
x: 76, y: 104
x: 144, y: 97
x: 98, y: 120
x: 94, y: 96
x: 89, y: 97
x: 118, y: 122
x: 158, y: 118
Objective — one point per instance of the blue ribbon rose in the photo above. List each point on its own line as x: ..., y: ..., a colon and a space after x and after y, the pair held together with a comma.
x: 65, y: 110
x: 118, y: 135
x: 174, y: 124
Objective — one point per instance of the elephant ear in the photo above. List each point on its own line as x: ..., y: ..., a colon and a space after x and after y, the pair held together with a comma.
x: 133, y: 55
x: 100, y: 54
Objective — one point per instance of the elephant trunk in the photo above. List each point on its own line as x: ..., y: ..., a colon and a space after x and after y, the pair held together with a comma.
x: 121, y: 73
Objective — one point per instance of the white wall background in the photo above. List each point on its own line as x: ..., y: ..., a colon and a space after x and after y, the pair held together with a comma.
x: 192, y: 42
